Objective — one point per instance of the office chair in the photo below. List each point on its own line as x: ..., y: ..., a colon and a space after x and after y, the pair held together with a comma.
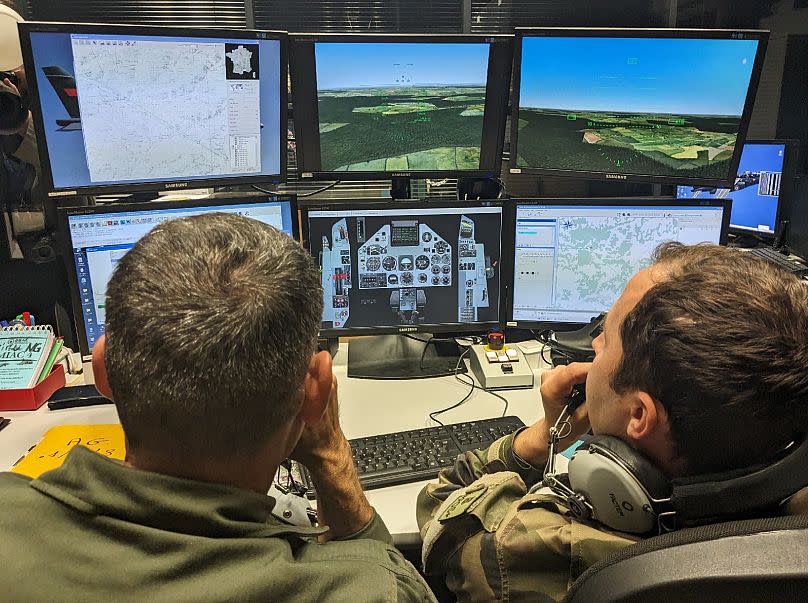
x: 748, y: 560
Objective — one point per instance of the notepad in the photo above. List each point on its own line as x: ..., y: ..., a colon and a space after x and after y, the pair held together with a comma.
x: 23, y: 355
x: 52, y: 449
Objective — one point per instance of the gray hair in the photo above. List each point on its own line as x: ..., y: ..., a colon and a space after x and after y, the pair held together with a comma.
x: 211, y: 324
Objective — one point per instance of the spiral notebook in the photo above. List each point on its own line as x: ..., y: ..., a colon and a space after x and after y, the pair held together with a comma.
x: 24, y: 354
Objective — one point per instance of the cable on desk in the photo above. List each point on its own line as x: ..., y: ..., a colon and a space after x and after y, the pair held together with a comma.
x: 435, y: 413
x: 473, y: 386
x: 487, y: 391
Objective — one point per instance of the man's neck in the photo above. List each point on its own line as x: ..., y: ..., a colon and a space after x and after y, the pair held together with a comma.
x: 252, y: 474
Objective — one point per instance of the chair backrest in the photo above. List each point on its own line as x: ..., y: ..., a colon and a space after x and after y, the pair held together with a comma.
x: 749, y: 560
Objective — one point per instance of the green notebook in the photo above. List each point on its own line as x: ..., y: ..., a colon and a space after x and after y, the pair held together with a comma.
x: 23, y: 355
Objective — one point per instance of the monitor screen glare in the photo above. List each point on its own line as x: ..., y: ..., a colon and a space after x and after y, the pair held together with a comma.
x: 572, y: 262
x: 756, y: 192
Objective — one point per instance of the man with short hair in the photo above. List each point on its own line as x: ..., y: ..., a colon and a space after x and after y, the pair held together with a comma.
x: 701, y: 368
x: 210, y: 356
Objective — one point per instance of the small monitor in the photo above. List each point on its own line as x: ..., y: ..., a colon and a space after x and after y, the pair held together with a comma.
x: 401, y: 268
x: 653, y: 105
x: 96, y: 238
x: 763, y: 180
x: 129, y: 108
x: 381, y: 106
x: 572, y: 259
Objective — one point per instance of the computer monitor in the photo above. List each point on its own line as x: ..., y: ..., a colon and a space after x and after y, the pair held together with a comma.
x: 95, y: 238
x: 764, y: 180
x: 406, y: 267
x: 572, y: 259
x: 130, y: 108
x: 653, y: 105
x: 383, y: 106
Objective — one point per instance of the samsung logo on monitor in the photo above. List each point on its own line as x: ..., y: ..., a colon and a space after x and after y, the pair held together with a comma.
x: 400, y: 174
x: 615, y: 177
x: 177, y: 185
x: 407, y: 329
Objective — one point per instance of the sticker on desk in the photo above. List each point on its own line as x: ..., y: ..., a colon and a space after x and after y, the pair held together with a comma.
x: 52, y: 449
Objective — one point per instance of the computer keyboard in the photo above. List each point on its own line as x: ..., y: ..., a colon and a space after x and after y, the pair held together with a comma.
x: 419, y: 454
x: 775, y: 257
x: 411, y: 456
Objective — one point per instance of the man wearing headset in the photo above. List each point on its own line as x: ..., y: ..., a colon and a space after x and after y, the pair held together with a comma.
x: 700, y: 368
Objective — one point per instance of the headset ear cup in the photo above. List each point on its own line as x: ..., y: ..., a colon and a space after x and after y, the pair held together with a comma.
x: 618, y: 483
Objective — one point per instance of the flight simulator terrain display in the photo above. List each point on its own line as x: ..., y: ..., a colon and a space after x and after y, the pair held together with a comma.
x: 394, y: 268
x: 401, y: 107
x: 662, y: 107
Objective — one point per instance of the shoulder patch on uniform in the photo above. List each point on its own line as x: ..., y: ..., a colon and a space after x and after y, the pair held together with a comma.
x: 463, y: 504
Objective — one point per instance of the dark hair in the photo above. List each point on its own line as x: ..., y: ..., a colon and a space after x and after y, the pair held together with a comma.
x: 211, y: 324
x: 721, y: 341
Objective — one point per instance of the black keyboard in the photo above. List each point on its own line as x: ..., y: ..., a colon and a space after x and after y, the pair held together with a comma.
x: 413, y: 456
x: 775, y: 257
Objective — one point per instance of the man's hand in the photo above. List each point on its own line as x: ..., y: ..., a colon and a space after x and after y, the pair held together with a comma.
x: 556, y: 386
x: 324, y: 440
x: 323, y: 449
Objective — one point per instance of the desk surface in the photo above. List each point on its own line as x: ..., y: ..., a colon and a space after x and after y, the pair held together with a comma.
x: 367, y: 407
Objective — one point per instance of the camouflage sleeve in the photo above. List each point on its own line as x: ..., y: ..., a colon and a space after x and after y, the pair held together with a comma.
x: 492, y: 540
x: 468, y: 467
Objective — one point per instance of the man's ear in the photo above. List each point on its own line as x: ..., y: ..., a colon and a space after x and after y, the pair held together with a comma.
x: 316, y: 388
x: 645, y: 420
x: 100, y: 368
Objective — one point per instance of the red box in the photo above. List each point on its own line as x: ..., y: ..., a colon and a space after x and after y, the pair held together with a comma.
x: 34, y: 397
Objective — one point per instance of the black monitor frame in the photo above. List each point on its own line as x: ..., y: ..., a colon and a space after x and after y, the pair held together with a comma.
x: 787, y: 186
x: 589, y: 32
x: 84, y: 28
x: 509, y: 242
x: 404, y: 207
x: 306, y: 117
x: 65, y: 247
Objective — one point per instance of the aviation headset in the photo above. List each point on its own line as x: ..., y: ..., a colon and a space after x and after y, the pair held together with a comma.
x: 613, y: 484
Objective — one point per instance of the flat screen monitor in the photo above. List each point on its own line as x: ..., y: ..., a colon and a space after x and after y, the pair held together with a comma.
x: 763, y: 180
x: 400, y: 268
x: 572, y: 259
x: 95, y: 238
x: 653, y: 105
x: 130, y: 108
x: 381, y: 106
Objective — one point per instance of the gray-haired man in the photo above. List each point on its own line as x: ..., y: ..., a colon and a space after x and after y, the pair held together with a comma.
x: 210, y: 357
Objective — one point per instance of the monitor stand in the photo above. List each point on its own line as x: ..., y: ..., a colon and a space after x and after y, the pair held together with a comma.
x: 400, y: 187
x: 746, y: 241
x: 402, y: 357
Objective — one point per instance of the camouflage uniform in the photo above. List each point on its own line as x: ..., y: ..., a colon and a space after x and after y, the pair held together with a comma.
x: 495, y: 541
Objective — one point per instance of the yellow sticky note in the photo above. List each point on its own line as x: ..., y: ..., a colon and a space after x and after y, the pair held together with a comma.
x: 52, y: 449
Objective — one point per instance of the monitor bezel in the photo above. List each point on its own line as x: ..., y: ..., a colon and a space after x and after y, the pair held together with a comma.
x: 498, y: 106
x: 64, y: 242
x: 404, y: 207
x: 787, y: 184
x: 510, y: 232
x: 29, y: 27
x: 589, y: 32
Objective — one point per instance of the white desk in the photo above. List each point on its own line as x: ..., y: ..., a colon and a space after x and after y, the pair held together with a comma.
x: 367, y: 407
